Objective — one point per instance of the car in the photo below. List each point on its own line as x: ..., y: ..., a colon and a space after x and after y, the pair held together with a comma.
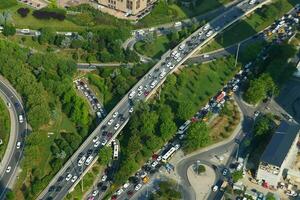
x: 74, y: 179
x: 130, y: 193
x: 117, y: 126
x: 206, y: 27
x: 115, y: 114
x: 81, y: 161
x: 104, y: 177
x: 119, y: 191
x: 235, y: 88
x: 158, y: 158
x: 143, y: 174
x: 21, y: 120
x: 8, y: 105
x: 95, y: 192
x: 126, y: 185
x: 68, y: 177
x: 131, y: 94
x: 96, y: 144
x: 95, y: 139
x: 177, y: 146
x: 154, y: 164
x: 215, y: 188
x: 131, y: 110
x: 225, y: 172
x: 104, y: 187
x: 140, y: 88
x: 110, y: 121
x: 114, y: 197
x: 18, y: 145
x: 89, y: 160
x: 104, y: 141
x: 140, y: 93
x: 256, y: 113
x: 8, y: 169
x: 137, y: 187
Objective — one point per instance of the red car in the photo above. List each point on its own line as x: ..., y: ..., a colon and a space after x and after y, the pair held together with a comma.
x: 146, y: 93
x: 130, y: 193
x: 114, y: 197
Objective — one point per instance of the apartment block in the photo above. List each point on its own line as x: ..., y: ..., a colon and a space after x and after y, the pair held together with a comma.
x: 129, y: 7
x: 279, y: 154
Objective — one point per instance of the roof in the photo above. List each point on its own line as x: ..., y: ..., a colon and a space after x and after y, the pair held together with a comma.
x: 280, y: 143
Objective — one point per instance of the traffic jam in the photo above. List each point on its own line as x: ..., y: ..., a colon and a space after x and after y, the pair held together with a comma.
x: 82, y: 86
x: 160, y: 159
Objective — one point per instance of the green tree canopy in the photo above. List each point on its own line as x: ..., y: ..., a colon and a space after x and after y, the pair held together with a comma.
x: 105, y: 155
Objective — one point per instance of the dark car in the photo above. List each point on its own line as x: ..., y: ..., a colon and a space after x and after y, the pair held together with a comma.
x: 104, y: 187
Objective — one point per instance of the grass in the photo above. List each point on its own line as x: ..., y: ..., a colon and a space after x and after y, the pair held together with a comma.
x: 88, y: 181
x: 199, y: 82
x: 7, y: 3
x: 166, y: 12
x: 223, y: 125
x: 251, y: 25
x: 33, y: 23
x: 154, y: 49
x: 4, y: 127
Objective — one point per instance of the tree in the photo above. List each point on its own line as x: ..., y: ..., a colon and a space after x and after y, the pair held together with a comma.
x: 10, y: 195
x: 201, y: 169
x: 9, y: 30
x: 237, y: 175
x: 270, y: 197
x: 263, y: 126
x: 197, y: 136
x: 105, y: 155
x: 185, y: 110
x: 47, y: 36
x: 23, y: 12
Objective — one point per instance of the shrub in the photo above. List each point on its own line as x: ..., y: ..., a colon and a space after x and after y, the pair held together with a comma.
x: 23, y: 12
x: 48, y: 13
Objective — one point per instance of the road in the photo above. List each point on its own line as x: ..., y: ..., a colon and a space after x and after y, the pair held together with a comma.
x: 13, y: 155
x: 59, y: 186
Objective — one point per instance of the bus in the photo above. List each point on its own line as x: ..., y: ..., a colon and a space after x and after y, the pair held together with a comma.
x: 168, y: 155
x: 116, y: 151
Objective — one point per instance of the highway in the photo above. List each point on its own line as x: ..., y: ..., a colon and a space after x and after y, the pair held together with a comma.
x: 13, y: 154
x: 169, y: 62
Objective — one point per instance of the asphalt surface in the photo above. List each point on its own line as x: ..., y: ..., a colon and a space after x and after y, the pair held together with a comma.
x: 15, y: 154
x: 59, y: 186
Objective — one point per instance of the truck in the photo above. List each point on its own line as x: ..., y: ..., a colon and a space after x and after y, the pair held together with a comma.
x: 224, y: 185
x: 220, y: 97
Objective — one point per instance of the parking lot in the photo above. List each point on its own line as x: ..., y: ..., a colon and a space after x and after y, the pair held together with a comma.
x: 95, y: 104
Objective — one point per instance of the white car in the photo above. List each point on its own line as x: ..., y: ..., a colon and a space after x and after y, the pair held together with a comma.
x: 104, y: 142
x: 140, y: 93
x: 96, y: 144
x: 95, y: 192
x: 95, y: 139
x: 81, y: 161
x: 18, y: 145
x: 138, y: 186
x: 131, y: 109
x: 206, y: 27
x: 215, y: 188
x: 126, y: 185
x: 104, y: 177
x: 89, y: 160
x: 110, y: 121
x: 177, y: 146
x: 140, y: 88
x: 8, y: 169
x: 209, y: 33
x: 153, y: 84
x: 131, y: 95
x: 119, y: 191
x: 68, y: 177
x: 74, y: 179
x: 115, y: 114
x: 158, y: 158
x: 235, y: 88
x: 154, y: 164
x: 21, y: 120
x: 144, y: 174
x: 117, y: 126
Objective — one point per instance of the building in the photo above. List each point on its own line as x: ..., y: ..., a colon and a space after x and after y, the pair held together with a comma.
x: 279, y: 154
x: 128, y: 7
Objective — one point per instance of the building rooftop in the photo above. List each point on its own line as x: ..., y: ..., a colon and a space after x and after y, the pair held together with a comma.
x: 280, y: 143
